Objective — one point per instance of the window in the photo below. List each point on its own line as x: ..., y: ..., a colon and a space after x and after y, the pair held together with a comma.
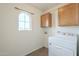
x: 24, y: 21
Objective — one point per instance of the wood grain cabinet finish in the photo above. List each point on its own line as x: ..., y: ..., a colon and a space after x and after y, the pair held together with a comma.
x: 69, y: 15
x: 77, y: 12
x: 46, y: 20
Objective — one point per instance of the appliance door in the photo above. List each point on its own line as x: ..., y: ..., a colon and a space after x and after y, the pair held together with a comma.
x: 61, y: 51
x: 61, y: 46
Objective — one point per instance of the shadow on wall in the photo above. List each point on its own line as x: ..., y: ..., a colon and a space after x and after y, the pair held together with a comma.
x: 78, y: 45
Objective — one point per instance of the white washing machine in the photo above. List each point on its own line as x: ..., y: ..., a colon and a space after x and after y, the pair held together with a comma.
x: 62, y: 46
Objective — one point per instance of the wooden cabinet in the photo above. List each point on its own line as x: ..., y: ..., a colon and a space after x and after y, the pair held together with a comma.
x: 69, y: 15
x: 77, y: 12
x: 46, y: 20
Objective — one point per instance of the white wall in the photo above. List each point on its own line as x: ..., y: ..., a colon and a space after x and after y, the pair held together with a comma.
x: 1, y: 34
x: 13, y: 42
x: 52, y: 31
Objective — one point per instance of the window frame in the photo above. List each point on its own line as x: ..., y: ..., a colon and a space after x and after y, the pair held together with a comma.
x: 30, y: 21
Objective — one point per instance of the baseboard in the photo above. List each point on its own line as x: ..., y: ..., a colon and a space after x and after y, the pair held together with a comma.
x: 32, y: 51
x: 46, y: 46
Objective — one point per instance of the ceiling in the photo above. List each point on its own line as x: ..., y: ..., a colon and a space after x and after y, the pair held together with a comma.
x: 44, y: 6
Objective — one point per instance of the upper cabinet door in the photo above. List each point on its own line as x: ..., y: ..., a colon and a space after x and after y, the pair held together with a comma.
x: 46, y: 20
x: 68, y: 15
x: 77, y: 12
x: 43, y: 20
